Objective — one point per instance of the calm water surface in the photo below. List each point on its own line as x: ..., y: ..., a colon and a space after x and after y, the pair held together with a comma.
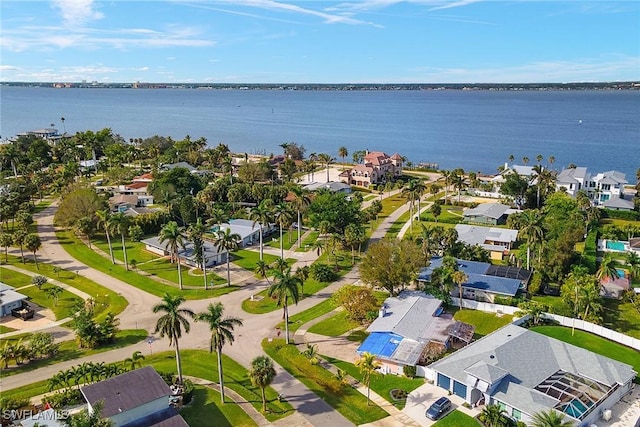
x: 475, y: 130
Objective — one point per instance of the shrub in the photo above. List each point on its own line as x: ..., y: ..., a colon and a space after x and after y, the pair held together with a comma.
x: 322, y: 272
x: 39, y: 281
x: 628, y: 215
x: 535, y: 284
x: 188, y: 392
x: 359, y: 302
x: 136, y: 233
x: 409, y: 371
x: 588, y: 258
x: 168, y: 377
x: 8, y: 404
x: 68, y: 397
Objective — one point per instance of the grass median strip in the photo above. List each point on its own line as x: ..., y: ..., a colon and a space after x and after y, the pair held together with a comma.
x: 345, y: 399
x: 82, y: 253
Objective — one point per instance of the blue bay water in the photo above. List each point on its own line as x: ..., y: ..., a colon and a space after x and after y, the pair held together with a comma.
x: 475, y: 130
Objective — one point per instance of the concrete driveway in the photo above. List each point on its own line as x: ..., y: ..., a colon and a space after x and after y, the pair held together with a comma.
x: 421, y: 398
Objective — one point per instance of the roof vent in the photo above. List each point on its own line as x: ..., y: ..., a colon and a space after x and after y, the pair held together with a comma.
x: 492, y: 357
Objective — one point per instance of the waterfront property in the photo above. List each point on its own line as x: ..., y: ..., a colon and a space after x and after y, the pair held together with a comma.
x: 136, y: 398
x: 525, y: 373
x: 498, y: 241
x: 211, y: 255
x: 377, y: 167
x: 604, y: 189
x: 484, y: 281
x: 573, y: 180
x: 406, y: 324
x: 334, y: 187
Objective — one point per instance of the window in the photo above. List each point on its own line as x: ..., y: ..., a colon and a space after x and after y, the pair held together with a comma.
x: 516, y: 414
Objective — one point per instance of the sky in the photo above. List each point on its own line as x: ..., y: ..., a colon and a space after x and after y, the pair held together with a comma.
x: 307, y: 41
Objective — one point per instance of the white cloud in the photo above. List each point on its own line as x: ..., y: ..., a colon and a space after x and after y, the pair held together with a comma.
x: 77, y: 12
x: 9, y: 68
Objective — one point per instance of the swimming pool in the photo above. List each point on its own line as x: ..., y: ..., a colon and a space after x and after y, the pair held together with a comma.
x: 620, y: 273
x: 615, y: 245
x: 575, y: 408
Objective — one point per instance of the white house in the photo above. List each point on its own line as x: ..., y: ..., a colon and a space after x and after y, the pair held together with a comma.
x: 574, y: 180
x: 186, y: 255
x: 249, y: 233
x: 608, y: 185
x: 135, y: 398
x: 525, y: 373
x: 497, y: 241
x: 9, y: 299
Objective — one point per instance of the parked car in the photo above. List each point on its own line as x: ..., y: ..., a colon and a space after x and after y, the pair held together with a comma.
x: 438, y: 408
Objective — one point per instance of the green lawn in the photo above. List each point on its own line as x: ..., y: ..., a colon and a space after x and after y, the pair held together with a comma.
x: 14, y: 278
x: 274, y: 239
x: 457, y: 419
x: 5, y: 329
x: 206, y: 410
x: 346, y: 400
x: 106, y: 300
x: 595, y: 344
x: 335, y: 325
x: 202, y: 364
x: 484, y: 322
x: 311, y: 286
x: 69, y: 350
x: 249, y: 259
x: 381, y: 384
x: 307, y: 241
x: 305, y: 316
x: 85, y: 255
x: 197, y: 363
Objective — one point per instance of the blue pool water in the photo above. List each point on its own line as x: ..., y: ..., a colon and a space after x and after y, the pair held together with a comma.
x: 615, y: 245
x: 380, y: 343
x: 620, y: 273
x: 576, y: 408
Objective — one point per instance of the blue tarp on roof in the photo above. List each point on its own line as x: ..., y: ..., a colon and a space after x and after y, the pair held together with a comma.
x: 380, y: 344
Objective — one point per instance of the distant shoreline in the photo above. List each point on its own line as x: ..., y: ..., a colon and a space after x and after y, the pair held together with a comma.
x: 338, y: 86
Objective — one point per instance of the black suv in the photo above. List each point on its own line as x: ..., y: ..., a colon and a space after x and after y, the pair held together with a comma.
x: 438, y: 408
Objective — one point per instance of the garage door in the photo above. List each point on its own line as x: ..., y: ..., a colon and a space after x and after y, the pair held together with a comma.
x: 444, y: 381
x: 460, y: 389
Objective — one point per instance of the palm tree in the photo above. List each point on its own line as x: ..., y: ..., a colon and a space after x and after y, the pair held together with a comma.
x: 133, y: 362
x: 342, y: 152
x: 447, y: 176
x: 217, y: 217
x: 283, y: 216
x: 550, y: 418
x: 607, y: 268
x: 525, y: 160
x: 221, y: 333
x: 284, y: 287
x: 103, y: 222
x: 262, y: 374
x: 262, y: 215
x: 551, y: 160
x: 458, y: 183
x: 54, y: 293
x: 64, y: 127
x: 633, y: 261
x: 227, y: 241
x: 327, y: 160
x: 6, y: 240
x: 118, y: 224
x: 590, y: 300
x: 174, y: 236
x: 262, y: 268
x: 300, y: 202
x: 531, y: 230
x: 368, y: 365
x: 459, y: 278
x: 19, y: 237
x: 170, y: 324
x: 33, y: 244
x: 195, y: 233
x: 493, y: 416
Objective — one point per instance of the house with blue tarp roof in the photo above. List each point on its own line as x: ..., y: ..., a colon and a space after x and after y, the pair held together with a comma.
x: 484, y: 281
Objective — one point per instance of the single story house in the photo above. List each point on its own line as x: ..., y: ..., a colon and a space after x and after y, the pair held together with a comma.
x: 497, y: 241
x: 488, y: 213
x: 185, y: 165
x: 525, y: 373
x: 186, y: 255
x: 404, y: 327
x: 618, y: 204
x: 122, y: 202
x: 334, y: 187
x: 135, y: 398
x: 249, y: 233
x: 10, y: 299
x: 484, y: 281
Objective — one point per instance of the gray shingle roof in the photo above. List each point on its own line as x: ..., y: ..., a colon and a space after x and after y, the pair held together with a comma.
x: 486, y: 372
x: 618, y: 203
x: 490, y: 210
x: 127, y: 391
x: 530, y: 358
x: 571, y: 175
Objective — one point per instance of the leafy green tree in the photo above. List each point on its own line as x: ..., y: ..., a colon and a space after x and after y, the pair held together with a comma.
x: 84, y: 418
x: 391, y: 264
x: 262, y: 373
x: 6, y: 240
x: 368, y: 367
x: 221, y: 333
x: 19, y: 238
x: 86, y: 226
x: 301, y: 202
x: 284, y: 287
x: 195, y: 233
x: 516, y: 187
x: 354, y: 236
x: 581, y: 292
x: 334, y: 209
x: 79, y: 203
x: 459, y: 278
x: 357, y: 302
x: 531, y: 230
x: 39, y: 281
x: 171, y: 323
x: 550, y: 418
x: 283, y: 216
x: 607, y: 269
x: 227, y: 241
x: 33, y: 244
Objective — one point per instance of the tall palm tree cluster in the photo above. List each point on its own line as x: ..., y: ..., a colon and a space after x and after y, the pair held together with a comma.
x: 175, y: 319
